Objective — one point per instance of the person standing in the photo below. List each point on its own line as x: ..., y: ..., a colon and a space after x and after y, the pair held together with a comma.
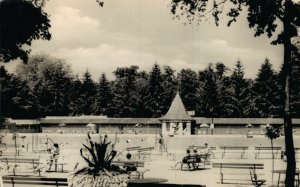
x: 207, y: 151
x: 161, y: 142
x: 54, y: 155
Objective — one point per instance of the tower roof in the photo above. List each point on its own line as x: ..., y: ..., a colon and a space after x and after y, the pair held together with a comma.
x: 176, y: 111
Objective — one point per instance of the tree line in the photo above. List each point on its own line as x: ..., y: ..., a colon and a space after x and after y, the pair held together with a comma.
x: 46, y: 86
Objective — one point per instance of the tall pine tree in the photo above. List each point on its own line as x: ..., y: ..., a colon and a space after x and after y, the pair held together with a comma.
x: 88, y: 94
x: 103, y: 100
x: 241, y: 89
x: 188, y: 84
x: 267, y: 92
x: 75, y: 99
x: 6, y: 93
x: 170, y: 87
x: 207, y: 93
x: 154, y: 96
x: 226, y: 102
x: 126, y: 97
x: 48, y: 79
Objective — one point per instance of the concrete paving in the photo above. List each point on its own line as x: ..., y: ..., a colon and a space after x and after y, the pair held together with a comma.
x: 160, y: 165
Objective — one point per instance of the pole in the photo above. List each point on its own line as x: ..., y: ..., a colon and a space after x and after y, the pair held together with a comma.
x: 47, y: 142
x: 15, y: 137
x: 116, y: 136
x: 32, y: 142
x: 212, y: 118
x: 212, y: 122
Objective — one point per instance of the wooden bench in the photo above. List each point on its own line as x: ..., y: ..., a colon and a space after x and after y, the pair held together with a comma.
x: 266, y: 150
x: 15, y: 163
x: 201, y: 148
x: 144, y: 153
x: 240, y: 172
x: 234, y: 149
x: 136, y: 148
x: 128, y: 163
x: 11, y: 152
x: 156, y: 182
x: 254, y: 178
x: 33, y: 181
x: 194, y: 160
x: 32, y: 161
x: 140, y: 152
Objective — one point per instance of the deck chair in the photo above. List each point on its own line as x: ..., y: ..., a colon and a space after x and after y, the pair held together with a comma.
x: 255, y: 181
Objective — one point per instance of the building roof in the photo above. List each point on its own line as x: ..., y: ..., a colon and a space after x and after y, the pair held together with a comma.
x: 177, y: 110
x: 99, y: 120
x: 237, y: 121
x: 20, y: 122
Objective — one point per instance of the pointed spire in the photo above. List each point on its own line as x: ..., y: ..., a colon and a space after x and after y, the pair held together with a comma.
x: 177, y: 110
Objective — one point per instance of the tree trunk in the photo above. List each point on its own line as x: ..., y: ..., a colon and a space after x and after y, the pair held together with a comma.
x: 288, y: 128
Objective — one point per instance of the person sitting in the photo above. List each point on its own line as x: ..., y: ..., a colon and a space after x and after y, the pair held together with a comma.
x: 130, y: 168
x: 187, y: 159
x: 196, y: 158
x: 195, y: 154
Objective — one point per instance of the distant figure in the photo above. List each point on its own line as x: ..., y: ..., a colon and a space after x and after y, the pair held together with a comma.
x: 161, y: 142
x: 207, y: 150
x: 54, y: 155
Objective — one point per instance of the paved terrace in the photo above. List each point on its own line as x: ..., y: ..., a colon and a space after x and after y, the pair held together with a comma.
x: 160, y: 165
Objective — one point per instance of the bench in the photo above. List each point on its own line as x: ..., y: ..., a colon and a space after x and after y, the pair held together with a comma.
x: 233, y: 149
x: 239, y: 172
x: 128, y: 163
x: 158, y: 182
x: 254, y: 178
x: 32, y: 161
x: 133, y: 148
x: 194, y: 161
x: 144, y: 153
x: 141, y: 153
x: 6, y: 152
x: 201, y: 148
x: 33, y: 181
x: 15, y: 163
x: 266, y: 150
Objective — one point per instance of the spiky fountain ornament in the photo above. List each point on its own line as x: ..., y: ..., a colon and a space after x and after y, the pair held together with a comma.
x: 99, y: 171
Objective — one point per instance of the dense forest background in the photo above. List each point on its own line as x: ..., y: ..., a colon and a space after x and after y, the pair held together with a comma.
x: 46, y: 86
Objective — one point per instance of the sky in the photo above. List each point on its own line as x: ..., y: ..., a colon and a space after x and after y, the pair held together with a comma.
x: 140, y: 32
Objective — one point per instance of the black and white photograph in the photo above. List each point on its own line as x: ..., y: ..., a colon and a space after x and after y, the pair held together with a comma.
x: 134, y: 93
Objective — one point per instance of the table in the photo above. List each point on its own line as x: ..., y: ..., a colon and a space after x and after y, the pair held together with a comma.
x: 146, y: 181
x: 283, y: 171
